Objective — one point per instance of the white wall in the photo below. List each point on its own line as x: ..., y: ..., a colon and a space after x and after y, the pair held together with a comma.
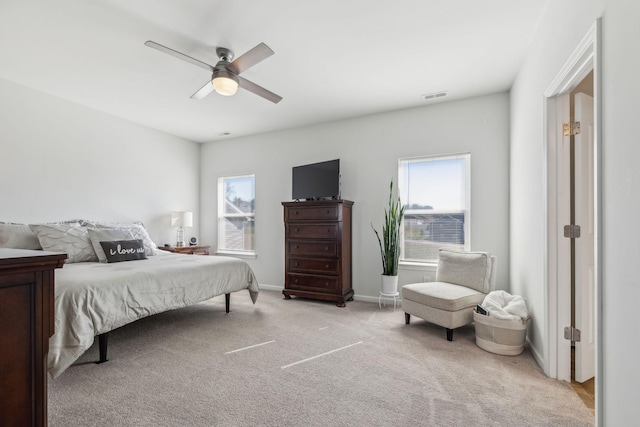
x: 621, y: 204
x: 561, y: 29
x: 60, y: 160
x: 556, y: 39
x: 368, y: 149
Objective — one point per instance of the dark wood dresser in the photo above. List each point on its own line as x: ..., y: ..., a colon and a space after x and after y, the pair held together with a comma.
x: 318, y: 250
x: 26, y: 323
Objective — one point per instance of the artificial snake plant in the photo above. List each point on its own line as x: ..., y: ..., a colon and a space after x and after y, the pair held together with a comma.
x: 389, y: 244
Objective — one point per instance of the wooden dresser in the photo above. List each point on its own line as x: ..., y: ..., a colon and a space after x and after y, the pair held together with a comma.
x: 318, y: 250
x: 26, y: 323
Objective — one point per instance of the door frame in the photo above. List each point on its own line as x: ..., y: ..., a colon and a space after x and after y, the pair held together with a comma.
x: 557, y: 292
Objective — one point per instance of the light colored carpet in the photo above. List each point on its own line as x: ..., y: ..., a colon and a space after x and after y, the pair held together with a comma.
x: 317, y: 365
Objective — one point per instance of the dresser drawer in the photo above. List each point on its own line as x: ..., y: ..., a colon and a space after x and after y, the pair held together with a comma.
x: 313, y: 231
x: 304, y: 213
x: 311, y: 283
x: 322, y: 266
x: 306, y: 247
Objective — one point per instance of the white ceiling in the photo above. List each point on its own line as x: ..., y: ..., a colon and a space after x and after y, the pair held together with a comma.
x: 333, y: 59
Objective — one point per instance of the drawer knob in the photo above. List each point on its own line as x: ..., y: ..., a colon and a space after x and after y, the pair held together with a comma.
x: 296, y: 212
x: 326, y: 248
x: 295, y: 263
x: 297, y: 247
x: 326, y: 283
x: 296, y: 230
x: 326, y: 266
x: 295, y: 281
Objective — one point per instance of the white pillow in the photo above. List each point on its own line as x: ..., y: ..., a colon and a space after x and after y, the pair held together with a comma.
x: 18, y: 236
x: 70, y: 238
x: 136, y: 229
x: 97, y: 235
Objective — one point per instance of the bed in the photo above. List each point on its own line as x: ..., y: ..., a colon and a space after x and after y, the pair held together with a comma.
x: 114, y: 275
x: 94, y: 298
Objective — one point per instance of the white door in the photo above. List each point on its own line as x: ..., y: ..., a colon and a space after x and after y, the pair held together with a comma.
x: 585, y: 349
x: 563, y: 245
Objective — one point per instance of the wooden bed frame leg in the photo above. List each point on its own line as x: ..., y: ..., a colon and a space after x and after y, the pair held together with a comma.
x: 227, y: 299
x: 103, y: 341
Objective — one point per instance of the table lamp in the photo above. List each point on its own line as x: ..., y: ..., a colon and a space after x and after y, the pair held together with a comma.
x: 181, y: 220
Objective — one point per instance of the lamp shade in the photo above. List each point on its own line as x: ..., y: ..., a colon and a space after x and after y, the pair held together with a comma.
x: 225, y: 85
x: 182, y: 219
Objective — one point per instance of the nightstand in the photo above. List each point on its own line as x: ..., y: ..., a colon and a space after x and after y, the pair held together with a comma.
x: 189, y: 250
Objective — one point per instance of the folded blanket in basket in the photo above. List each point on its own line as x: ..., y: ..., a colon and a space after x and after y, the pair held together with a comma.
x: 503, y: 305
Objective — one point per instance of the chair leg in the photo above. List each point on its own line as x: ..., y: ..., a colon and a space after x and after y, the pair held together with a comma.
x: 407, y: 316
x: 449, y: 334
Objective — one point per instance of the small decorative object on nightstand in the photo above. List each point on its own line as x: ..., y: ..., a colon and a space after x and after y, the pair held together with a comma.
x: 189, y: 250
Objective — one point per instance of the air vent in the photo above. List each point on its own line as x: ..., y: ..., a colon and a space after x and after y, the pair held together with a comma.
x: 434, y: 95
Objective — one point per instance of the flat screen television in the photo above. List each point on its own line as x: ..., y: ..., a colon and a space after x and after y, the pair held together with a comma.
x: 316, y: 181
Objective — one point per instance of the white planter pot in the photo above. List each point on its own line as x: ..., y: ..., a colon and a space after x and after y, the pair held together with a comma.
x: 389, y: 284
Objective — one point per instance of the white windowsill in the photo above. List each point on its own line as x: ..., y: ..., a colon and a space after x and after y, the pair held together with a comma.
x: 419, y: 266
x: 241, y: 255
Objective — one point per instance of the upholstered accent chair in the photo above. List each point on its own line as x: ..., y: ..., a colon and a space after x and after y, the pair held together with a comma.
x: 462, y: 281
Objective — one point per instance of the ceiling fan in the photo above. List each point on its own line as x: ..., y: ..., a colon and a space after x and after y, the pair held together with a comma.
x: 225, y: 78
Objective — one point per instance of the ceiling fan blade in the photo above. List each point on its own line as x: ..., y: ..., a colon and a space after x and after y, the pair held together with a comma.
x: 178, y: 55
x: 258, y: 90
x: 203, y: 91
x: 250, y: 58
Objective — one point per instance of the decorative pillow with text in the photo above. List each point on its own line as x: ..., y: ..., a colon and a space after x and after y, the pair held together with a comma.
x: 98, y: 235
x: 123, y: 250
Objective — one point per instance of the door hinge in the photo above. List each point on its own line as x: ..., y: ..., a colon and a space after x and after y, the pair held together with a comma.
x: 572, y: 128
x: 571, y: 333
x: 572, y: 231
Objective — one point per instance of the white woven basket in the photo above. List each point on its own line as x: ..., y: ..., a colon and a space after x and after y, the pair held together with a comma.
x: 499, y: 336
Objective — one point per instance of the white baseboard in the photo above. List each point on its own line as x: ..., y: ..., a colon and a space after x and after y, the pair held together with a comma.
x: 364, y: 298
x: 271, y: 287
x: 386, y: 300
x: 537, y: 356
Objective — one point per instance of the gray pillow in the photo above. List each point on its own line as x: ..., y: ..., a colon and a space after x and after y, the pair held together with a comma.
x: 18, y: 236
x: 70, y: 238
x: 123, y: 250
x: 97, y: 235
x: 470, y: 269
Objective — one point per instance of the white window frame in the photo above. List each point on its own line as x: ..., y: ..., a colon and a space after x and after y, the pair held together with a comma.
x: 430, y: 263
x: 222, y: 216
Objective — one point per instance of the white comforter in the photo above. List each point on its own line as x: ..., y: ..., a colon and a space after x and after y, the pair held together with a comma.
x: 93, y: 298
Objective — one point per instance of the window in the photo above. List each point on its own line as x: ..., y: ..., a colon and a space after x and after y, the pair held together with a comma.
x: 435, y: 194
x: 236, y: 214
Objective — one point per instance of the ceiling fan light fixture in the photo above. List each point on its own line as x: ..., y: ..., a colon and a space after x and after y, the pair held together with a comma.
x: 225, y: 84
x: 225, y: 81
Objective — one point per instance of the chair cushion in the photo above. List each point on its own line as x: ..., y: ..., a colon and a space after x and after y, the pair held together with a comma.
x: 471, y: 269
x: 441, y: 295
